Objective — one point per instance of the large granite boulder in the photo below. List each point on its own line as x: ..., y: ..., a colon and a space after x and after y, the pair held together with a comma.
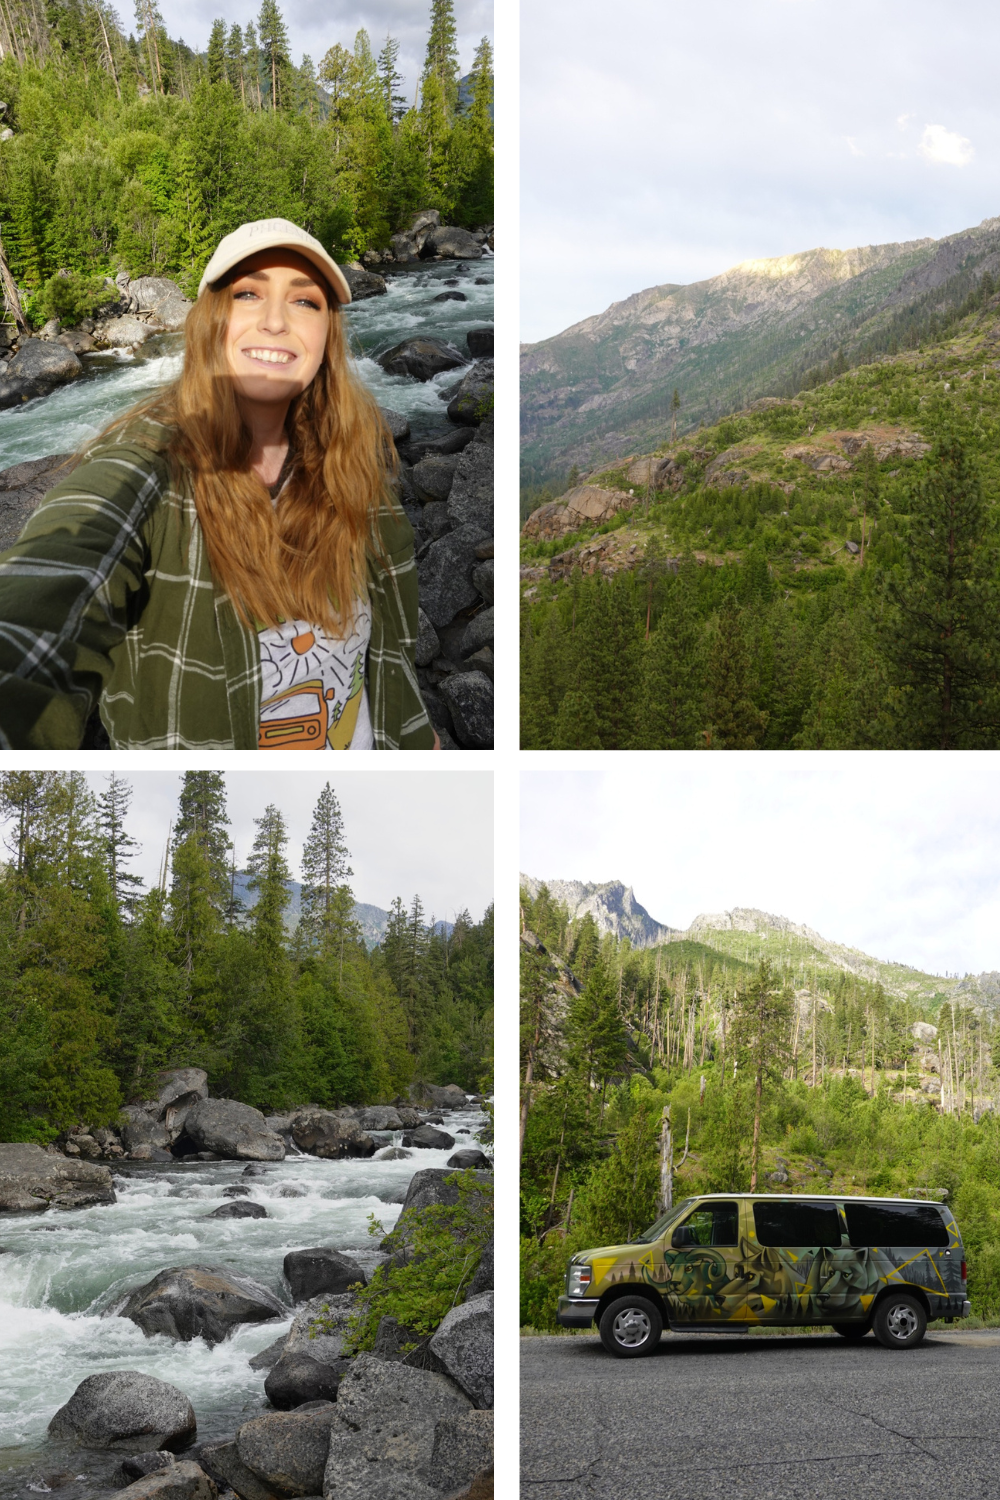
x: 125, y: 332
x: 469, y: 1156
x: 363, y: 283
x: 222, y: 1461
x: 173, y: 1481
x: 51, y: 363
x: 383, y: 1431
x: 437, y: 1185
x: 469, y: 696
x: 142, y: 1132
x: 423, y: 358
x: 23, y: 485
x: 473, y: 401
x: 297, y: 1378
x: 444, y: 571
x: 323, y: 1269
x: 442, y: 1096
x: 126, y: 1409
x: 32, y: 1180
x: 480, y: 342
x: 379, y: 1117
x: 463, y: 1347
x: 433, y: 475
x: 586, y: 505
x: 462, y: 1452
x: 330, y: 1134
x: 450, y: 243
x: 232, y: 1130
x: 161, y: 297
x: 288, y: 1450
x: 470, y: 496
x: 430, y: 1138
x: 190, y: 1302
x: 483, y: 1279
x: 240, y: 1210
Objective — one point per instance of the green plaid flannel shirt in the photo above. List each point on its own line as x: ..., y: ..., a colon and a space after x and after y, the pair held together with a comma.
x: 108, y: 597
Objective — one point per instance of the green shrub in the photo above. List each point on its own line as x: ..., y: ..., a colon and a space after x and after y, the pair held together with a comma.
x: 438, y: 1250
x: 68, y: 298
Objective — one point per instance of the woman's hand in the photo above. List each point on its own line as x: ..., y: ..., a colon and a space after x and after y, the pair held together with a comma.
x: 437, y: 740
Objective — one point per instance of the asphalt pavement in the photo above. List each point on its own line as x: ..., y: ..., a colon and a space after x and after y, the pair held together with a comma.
x: 791, y: 1417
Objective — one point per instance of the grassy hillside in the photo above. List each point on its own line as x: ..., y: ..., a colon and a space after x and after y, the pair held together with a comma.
x: 603, y: 388
x: 771, y: 554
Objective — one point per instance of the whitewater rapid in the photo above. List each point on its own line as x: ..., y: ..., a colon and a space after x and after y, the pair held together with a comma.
x: 62, y: 1271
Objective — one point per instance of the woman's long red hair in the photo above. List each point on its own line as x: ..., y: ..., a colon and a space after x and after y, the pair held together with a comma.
x: 304, y: 559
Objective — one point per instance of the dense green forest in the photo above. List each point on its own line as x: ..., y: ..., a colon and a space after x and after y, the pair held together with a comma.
x: 102, y: 983
x: 817, y: 573
x: 777, y: 1076
x: 130, y: 151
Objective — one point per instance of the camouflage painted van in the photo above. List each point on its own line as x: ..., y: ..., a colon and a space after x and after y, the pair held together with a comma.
x: 727, y: 1262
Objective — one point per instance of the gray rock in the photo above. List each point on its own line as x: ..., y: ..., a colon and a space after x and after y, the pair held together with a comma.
x: 428, y: 645
x: 138, y: 1465
x: 126, y: 332
x: 330, y: 1134
x: 482, y: 577
x: 189, y: 1302
x: 430, y: 1139
x: 483, y: 1279
x: 470, y: 1156
x: 423, y: 222
x: 451, y: 297
x: 223, y: 1462
x: 383, y: 1431
x: 32, y: 1180
x: 322, y: 1269
x: 445, y: 574
x: 481, y: 661
x: 232, y: 1130
x: 463, y: 1347
x: 288, y: 1450
x: 478, y: 633
x: 324, y: 1343
x: 470, y: 501
x: 238, y: 1190
x: 363, y: 283
x: 480, y: 342
x: 178, y: 1481
x: 379, y: 1117
x: 268, y: 1357
x: 434, y: 1185
x: 397, y: 423
x: 239, y: 1210
x: 77, y: 342
x: 463, y: 1448
x: 50, y: 363
x: 404, y: 248
x: 16, y: 392
x: 393, y: 1153
x: 469, y: 696
x: 297, y: 1378
x: 254, y: 1170
x: 435, y: 521
x: 423, y: 358
x: 161, y: 297
x: 441, y: 1096
x: 451, y: 442
x: 141, y: 1127
x: 33, y: 471
x: 433, y: 475
x: 394, y: 1341
x: 472, y: 403
x: 292, y: 1190
x: 128, y: 1410
x: 450, y: 243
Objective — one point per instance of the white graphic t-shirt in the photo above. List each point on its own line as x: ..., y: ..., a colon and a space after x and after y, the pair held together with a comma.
x: 313, y: 686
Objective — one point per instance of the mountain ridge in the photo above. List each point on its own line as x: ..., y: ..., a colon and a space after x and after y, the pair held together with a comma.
x: 597, y: 389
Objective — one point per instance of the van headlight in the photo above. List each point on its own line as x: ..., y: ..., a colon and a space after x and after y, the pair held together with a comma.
x: 578, y: 1281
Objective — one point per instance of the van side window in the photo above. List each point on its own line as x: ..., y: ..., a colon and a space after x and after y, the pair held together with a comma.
x: 714, y: 1224
x: 796, y: 1223
x: 895, y: 1224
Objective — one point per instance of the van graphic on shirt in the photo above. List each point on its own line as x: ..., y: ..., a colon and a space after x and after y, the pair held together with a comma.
x: 312, y: 689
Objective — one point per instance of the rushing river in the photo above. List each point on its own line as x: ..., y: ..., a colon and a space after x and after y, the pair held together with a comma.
x: 61, y: 1271
x: 115, y: 379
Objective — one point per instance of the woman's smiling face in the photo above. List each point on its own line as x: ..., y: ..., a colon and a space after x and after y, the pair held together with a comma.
x: 278, y: 323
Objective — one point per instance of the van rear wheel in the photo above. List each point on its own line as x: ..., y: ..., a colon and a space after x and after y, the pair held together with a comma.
x: 900, y: 1321
x: 630, y: 1327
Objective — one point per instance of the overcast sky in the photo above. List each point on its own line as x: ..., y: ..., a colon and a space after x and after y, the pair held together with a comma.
x: 667, y: 142
x: 423, y: 833
x: 315, y: 25
x: 896, y: 854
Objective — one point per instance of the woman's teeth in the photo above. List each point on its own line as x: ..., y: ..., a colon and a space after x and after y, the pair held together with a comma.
x: 271, y: 356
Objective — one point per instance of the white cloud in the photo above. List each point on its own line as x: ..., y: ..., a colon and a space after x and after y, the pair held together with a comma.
x: 946, y: 146
x: 854, y: 147
x: 903, y: 120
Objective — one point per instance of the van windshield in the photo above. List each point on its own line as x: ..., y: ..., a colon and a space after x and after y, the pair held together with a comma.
x: 661, y: 1226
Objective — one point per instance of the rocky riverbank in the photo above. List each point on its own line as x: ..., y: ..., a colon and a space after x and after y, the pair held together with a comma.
x: 370, y: 1424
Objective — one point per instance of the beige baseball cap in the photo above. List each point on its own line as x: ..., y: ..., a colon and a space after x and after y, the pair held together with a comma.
x: 272, y: 234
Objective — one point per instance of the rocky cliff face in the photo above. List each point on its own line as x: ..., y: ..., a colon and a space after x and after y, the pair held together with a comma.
x: 612, y: 905
x: 597, y: 390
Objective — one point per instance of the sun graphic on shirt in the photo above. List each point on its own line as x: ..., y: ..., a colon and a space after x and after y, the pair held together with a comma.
x: 292, y: 659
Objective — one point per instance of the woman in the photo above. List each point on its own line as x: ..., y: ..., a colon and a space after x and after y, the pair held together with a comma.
x: 225, y: 567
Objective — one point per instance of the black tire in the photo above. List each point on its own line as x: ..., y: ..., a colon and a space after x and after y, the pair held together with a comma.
x: 630, y: 1327
x: 900, y: 1321
x: 852, y: 1332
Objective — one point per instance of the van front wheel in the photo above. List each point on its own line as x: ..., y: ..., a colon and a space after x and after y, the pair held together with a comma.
x: 630, y: 1326
x: 900, y: 1321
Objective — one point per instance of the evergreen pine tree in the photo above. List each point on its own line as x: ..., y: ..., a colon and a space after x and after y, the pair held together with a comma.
x: 117, y: 844
x: 672, y: 678
x: 327, y: 900
x: 390, y: 79
x: 610, y: 656
x: 234, y: 63
x: 441, y: 59
x: 576, y: 724
x: 216, y: 60
x: 274, y: 49
x: 201, y: 815
x: 270, y: 875
x: 734, y: 721
x: 942, y: 634
x: 759, y: 1040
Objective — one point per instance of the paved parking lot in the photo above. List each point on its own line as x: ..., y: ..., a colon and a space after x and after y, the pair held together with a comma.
x: 762, y: 1416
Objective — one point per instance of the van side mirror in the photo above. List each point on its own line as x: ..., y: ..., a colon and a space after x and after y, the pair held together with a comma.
x: 682, y: 1237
